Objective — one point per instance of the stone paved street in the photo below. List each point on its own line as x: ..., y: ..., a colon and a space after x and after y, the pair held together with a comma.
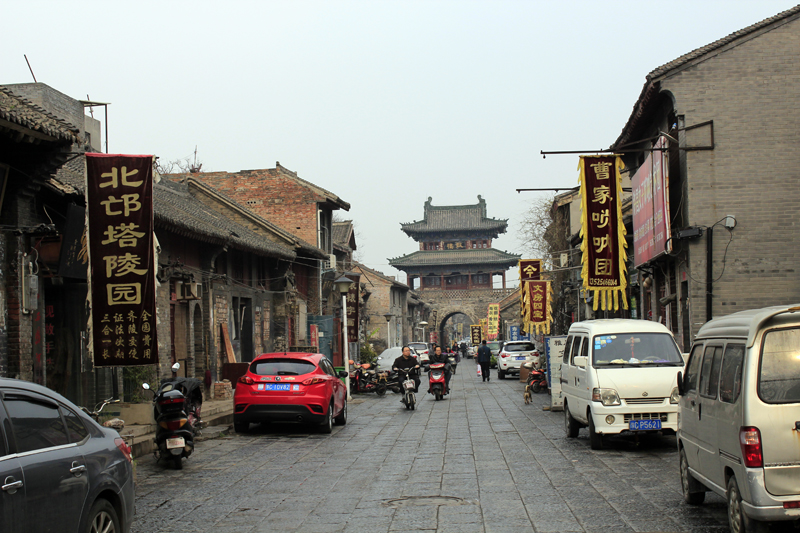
x: 480, y: 461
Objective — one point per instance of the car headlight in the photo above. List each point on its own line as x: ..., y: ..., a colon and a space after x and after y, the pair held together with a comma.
x: 606, y: 396
x: 674, y: 396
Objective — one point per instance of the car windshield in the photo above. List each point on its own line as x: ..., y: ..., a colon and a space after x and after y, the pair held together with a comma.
x: 519, y: 347
x: 281, y: 367
x: 636, y: 349
x: 419, y: 346
x: 779, y: 377
x: 493, y: 346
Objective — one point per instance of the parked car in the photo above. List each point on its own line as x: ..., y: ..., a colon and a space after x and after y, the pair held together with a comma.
x: 60, y: 470
x: 422, y: 349
x: 290, y: 387
x: 620, y: 376
x: 387, y: 357
x: 740, y: 416
x: 513, y: 354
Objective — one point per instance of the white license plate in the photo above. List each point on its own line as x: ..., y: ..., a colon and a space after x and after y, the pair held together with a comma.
x: 177, y: 442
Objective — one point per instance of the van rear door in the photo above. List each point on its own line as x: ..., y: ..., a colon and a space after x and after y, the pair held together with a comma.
x: 779, y: 410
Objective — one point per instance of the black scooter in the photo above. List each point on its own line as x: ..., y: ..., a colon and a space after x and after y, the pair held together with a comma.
x: 176, y: 408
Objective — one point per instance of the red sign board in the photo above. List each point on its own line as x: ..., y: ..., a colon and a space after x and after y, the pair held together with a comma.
x: 314, y: 336
x: 651, y: 225
x: 119, y: 197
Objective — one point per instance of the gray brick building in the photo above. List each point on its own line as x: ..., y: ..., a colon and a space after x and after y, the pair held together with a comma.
x: 729, y: 113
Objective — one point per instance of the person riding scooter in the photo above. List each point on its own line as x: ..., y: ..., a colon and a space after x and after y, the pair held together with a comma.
x: 405, y: 362
x: 439, y: 357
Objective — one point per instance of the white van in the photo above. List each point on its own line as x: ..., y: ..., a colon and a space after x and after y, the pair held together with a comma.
x: 739, y: 430
x: 620, y: 376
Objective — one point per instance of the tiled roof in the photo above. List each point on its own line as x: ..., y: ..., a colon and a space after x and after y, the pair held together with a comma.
x: 343, y: 234
x: 175, y: 208
x: 21, y: 112
x: 370, y: 273
x: 486, y: 256
x: 643, y: 110
x: 694, y: 54
x: 455, y: 218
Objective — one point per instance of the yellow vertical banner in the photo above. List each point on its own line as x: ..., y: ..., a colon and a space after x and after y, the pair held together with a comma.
x: 492, y: 321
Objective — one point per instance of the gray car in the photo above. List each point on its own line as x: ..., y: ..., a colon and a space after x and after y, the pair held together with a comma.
x: 59, y: 469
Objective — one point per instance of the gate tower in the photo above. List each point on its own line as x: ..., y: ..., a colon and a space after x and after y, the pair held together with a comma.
x: 454, y: 266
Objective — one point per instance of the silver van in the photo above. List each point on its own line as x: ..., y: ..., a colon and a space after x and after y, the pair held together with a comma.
x: 739, y: 416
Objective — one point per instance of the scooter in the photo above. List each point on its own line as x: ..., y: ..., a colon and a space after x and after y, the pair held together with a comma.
x: 537, y: 378
x: 364, y: 379
x: 436, y: 381
x: 453, y: 362
x: 176, y: 408
x: 408, y: 399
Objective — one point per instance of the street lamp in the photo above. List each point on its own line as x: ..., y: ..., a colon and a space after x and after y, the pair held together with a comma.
x: 343, y: 286
x: 388, y: 317
x: 423, y: 324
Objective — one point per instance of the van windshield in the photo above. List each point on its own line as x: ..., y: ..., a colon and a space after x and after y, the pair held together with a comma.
x: 635, y: 349
x: 779, y: 376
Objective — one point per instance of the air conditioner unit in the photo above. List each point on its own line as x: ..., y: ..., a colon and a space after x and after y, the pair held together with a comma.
x: 191, y: 291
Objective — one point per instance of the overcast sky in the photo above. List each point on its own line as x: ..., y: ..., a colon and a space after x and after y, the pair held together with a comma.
x: 383, y: 103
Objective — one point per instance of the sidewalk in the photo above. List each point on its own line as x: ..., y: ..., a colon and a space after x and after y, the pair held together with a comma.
x: 217, y: 414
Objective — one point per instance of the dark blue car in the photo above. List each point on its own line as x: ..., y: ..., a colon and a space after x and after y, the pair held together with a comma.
x: 60, y: 471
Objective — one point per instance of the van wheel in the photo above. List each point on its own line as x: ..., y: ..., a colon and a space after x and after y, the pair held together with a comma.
x: 595, y: 439
x: 692, y: 489
x: 738, y: 521
x: 570, y: 423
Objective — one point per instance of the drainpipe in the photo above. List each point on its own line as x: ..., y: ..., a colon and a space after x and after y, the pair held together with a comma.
x: 709, y: 272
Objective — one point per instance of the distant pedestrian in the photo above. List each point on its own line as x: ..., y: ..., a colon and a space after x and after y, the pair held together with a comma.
x: 485, y: 360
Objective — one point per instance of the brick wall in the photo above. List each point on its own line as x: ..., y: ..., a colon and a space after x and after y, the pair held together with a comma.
x: 752, y: 93
x: 273, y: 194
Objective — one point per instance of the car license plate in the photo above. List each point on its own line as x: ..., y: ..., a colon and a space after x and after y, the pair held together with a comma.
x: 522, y: 358
x: 644, y: 425
x: 177, y: 442
x: 277, y: 386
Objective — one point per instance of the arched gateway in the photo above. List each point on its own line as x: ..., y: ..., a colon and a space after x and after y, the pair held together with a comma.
x: 454, y: 268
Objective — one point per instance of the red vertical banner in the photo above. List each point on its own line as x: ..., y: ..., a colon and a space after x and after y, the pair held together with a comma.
x: 352, y: 308
x: 314, y: 329
x: 537, y: 298
x: 602, y: 231
x: 119, y: 200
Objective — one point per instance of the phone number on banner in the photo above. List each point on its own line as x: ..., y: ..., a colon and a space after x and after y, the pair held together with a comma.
x: 594, y: 282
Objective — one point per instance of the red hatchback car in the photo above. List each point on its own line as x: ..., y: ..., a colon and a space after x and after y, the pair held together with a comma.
x: 290, y: 387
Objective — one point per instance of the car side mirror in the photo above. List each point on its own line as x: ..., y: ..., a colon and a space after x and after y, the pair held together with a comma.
x: 680, y: 383
x: 342, y: 373
x: 580, y: 361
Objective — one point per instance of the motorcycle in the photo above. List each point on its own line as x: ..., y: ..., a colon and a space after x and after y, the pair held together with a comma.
x: 176, y: 408
x: 436, y: 381
x: 537, y: 378
x: 408, y: 399
x: 453, y: 362
x: 365, y: 379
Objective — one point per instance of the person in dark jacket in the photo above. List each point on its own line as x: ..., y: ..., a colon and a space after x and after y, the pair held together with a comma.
x: 404, y: 362
x: 484, y: 357
x: 439, y: 357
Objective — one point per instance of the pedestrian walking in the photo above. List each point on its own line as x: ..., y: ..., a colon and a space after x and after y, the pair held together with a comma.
x: 484, y: 359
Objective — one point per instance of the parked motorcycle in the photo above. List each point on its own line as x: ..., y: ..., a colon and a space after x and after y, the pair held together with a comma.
x: 436, y: 381
x: 365, y: 379
x: 537, y: 378
x: 176, y: 408
x: 409, y: 399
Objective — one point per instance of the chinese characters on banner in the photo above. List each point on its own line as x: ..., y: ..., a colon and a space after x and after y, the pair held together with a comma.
x: 492, y: 321
x: 314, y: 329
x: 537, y: 296
x: 530, y: 269
x: 603, y: 245
x: 651, y: 225
x: 352, y: 308
x: 484, y: 333
x: 475, y: 334
x: 119, y: 199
